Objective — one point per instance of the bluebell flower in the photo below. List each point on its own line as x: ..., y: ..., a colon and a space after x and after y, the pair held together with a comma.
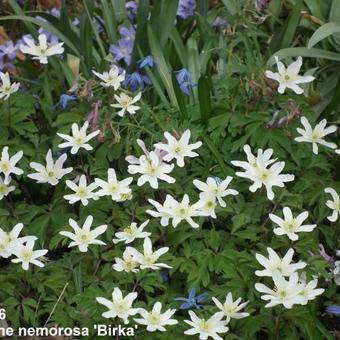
x: 122, y: 51
x: 165, y: 275
x: 99, y: 24
x: 127, y: 33
x: 8, y: 50
x: 186, y: 8
x: 333, y: 310
x: 148, y: 61
x: 132, y: 9
x: 191, y: 302
x: 135, y: 81
x: 184, y: 80
x: 64, y: 100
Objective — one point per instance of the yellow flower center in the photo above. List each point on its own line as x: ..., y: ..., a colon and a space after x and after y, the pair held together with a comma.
x: 204, y: 325
x: 3, y: 188
x: 26, y: 254
x: 84, y: 237
x: 129, y: 230
x: 82, y: 192
x: 154, y: 318
x: 5, y: 166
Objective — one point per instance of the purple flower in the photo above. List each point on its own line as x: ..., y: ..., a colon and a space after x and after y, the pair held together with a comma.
x: 64, y: 100
x: 333, y: 310
x: 192, y: 300
x: 184, y: 80
x: 75, y: 22
x: 99, y: 23
x: 8, y: 50
x: 132, y: 9
x: 122, y: 51
x: 186, y: 8
x: 135, y: 81
x: 323, y: 253
x: 165, y: 276
x: 148, y: 61
x: 127, y: 33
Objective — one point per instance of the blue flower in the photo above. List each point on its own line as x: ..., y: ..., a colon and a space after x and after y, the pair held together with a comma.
x: 184, y: 80
x: 186, y: 8
x: 192, y: 300
x: 165, y: 275
x: 148, y: 61
x: 132, y: 9
x: 135, y: 81
x: 333, y: 310
x: 64, y: 100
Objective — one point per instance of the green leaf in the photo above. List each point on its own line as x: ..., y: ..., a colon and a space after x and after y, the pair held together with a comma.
x: 304, y: 52
x: 323, y: 32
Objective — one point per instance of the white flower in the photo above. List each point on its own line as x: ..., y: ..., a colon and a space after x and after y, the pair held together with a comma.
x: 111, y: 78
x: 83, y: 237
x: 8, y: 240
x: 177, y: 211
x: 132, y: 232
x: 215, y: 189
x: 120, y: 306
x: 52, y: 172
x: 42, y: 50
x: 208, y: 205
x: 82, y: 192
x: 337, y: 151
x: 285, y: 292
x: 5, y: 187
x: 26, y: 255
x: 178, y: 149
x: 6, y: 88
x: 152, y: 168
x: 207, y: 328
x: 274, y: 263
x: 125, y: 103
x: 127, y: 264
x: 309, y: 292
x: 334, y: 205
x: 149, y: 258
x: 290, y: 226
x: 155, y: 320
x: 230, y: 308
x: 7, y: 164
x: 261, y: 174
x: 316, y: 135
x: 78, y: 139
x: 289, y: 77
x: 118, y: 190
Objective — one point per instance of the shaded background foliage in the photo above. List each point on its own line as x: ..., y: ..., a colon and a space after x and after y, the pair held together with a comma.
x: 231, y: 104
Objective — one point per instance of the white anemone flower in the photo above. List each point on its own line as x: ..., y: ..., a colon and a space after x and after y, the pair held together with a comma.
x: 289, y: 77
x: 25, y: 254
x: 126, y: 264
x: 148, y: 259
x: 6, y: 88
x: 83, y: 237
x: 118, y: 190
x: 286, y: 292
x: 290, y: 225
x: 111, y: 78
x: 126, y: 104
x: 152, y: 168
x: 333, y: 205
x: 309, y: 291
x: 177, y: 211
x: 5, y: 187
x: 206, y: 328
x: 156, y: 320
x: 178, y: 149
x: 79, y: 138
x: 52, y: 172
x: 316, y: 135
x: 216, y: 189
x: 82, y: 191
x: 264, y: 172
x: 119, y: 306
x: 8, y: 164
x: 274, y: 263
x: 8, y: 240
x: 132, y: 232
x: 232, y: 309
x: 42, y: 50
